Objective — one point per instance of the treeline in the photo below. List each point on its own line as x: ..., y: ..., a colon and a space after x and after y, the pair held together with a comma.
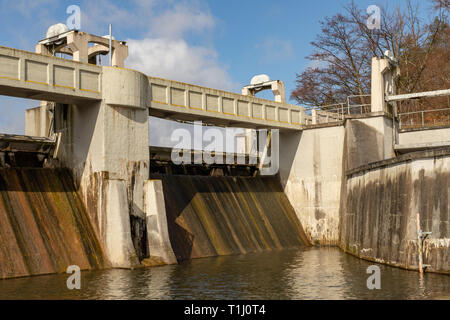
x: 341, y: 60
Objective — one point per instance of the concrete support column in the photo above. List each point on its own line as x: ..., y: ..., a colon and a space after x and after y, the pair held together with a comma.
x: 314, y: 116
x: 157, y: 229
x: 119, y: 245
x: 279, y: 91
x: 45, y: 118
x: 79, y: 46
x: 107, y: 146
x: 382, y: 82
x: 247, y: 92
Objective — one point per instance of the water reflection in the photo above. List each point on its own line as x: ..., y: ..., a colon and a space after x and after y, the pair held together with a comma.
x: 308, y: 273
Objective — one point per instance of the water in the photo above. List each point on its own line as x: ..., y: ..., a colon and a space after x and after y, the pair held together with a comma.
x: 307, y: 273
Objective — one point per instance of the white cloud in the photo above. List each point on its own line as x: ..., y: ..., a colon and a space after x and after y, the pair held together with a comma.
x: 160, y: 47
x: 182, y: 18
x: 177, y: 60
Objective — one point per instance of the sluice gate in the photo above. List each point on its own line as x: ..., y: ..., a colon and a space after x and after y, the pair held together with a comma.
x: 211, y: 216
x: 44, y: 225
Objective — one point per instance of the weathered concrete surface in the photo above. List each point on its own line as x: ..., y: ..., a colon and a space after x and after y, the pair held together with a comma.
x: 35, y: 76
x: 311, y: 175
x: 119, y: 246
x: 108, y: 141
x: 210, y: 216
x: 181, y: 101
x: 368, y: 140
x: 44, y: 225
x: 157, y: 229
x: 381, y: 203
x: 312, y: 163
x: 424, y: 137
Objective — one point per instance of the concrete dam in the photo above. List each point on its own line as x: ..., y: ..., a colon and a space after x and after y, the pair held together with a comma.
x: 45, y: 226
x: 84, y: 188
x: 211, y: 216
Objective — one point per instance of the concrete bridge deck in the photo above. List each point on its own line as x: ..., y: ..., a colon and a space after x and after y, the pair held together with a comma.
x: 34, y: 76
x: 181, y: 101
x: 41, y: 77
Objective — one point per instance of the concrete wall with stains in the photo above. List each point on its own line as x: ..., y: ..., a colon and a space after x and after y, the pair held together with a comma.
x: 311, y: 175
x: 312, y: 163
x: 424, y: 136
x: 381, y: 203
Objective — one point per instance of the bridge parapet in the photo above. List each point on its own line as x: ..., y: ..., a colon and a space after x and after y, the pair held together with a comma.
x: 181, y: 101
x: 35, y: 76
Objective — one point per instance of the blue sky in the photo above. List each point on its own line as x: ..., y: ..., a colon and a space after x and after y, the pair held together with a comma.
x: 216, y: 43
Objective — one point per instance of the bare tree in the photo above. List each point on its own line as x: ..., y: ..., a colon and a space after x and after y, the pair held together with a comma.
x: 343, y: 51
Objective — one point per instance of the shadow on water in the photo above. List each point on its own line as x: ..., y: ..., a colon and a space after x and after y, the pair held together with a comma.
x: 306, y: 273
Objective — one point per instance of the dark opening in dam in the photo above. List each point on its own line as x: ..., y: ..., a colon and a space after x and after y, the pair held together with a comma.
x: 214, y: 216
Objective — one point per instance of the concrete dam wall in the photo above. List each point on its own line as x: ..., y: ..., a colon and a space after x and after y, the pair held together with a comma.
x: 44, y: 226
x: 211, y: 216
x: 379, y: 218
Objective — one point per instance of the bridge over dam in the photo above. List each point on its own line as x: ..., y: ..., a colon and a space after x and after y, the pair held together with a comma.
x: 357, y: 180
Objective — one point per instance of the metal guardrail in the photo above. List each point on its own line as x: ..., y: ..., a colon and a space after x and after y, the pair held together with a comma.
x: 337, y: 112
x: 418, y: 118
x: 423, y: 123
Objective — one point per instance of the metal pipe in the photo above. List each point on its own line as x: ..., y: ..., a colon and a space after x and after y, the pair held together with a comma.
x: 436, y: 93
x: 419, y: 243
x: 110, y: 44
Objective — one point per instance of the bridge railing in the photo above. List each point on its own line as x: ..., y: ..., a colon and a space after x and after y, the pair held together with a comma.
x: 355, y: 104
x: 422, y: 109
x: 182, y: 99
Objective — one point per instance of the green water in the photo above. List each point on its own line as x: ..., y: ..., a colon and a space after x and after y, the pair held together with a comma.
x: 306, y: 273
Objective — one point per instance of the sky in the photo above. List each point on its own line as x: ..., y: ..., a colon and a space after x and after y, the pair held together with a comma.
x: 216, y: 43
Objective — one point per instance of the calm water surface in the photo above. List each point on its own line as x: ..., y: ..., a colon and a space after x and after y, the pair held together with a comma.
x: 310, y: 273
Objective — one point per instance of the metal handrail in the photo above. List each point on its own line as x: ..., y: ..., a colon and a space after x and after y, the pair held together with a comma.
x: 422, y: 113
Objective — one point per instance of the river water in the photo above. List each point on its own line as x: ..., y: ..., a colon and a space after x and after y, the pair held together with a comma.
x: 307, y: 273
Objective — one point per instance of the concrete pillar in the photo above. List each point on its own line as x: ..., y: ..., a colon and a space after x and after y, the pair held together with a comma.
x: 42, y: 49
x: 382, y: 82
x: 45, y: 118
x: 314, y: 117
x: 119, y: 247
x: 106, y: 145
x: 279, y: 91
x: 119, y: 54
x: 247, y: 92
x: 157, y: 229
x: 79, y: 45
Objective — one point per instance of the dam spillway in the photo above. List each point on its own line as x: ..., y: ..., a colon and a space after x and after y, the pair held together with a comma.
x: 44, y: 226
x: 213, y: 216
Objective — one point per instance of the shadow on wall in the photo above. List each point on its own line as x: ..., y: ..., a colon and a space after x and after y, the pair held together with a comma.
x: 30, y: 180
x: 362, y: 142
x: 213, y: 216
